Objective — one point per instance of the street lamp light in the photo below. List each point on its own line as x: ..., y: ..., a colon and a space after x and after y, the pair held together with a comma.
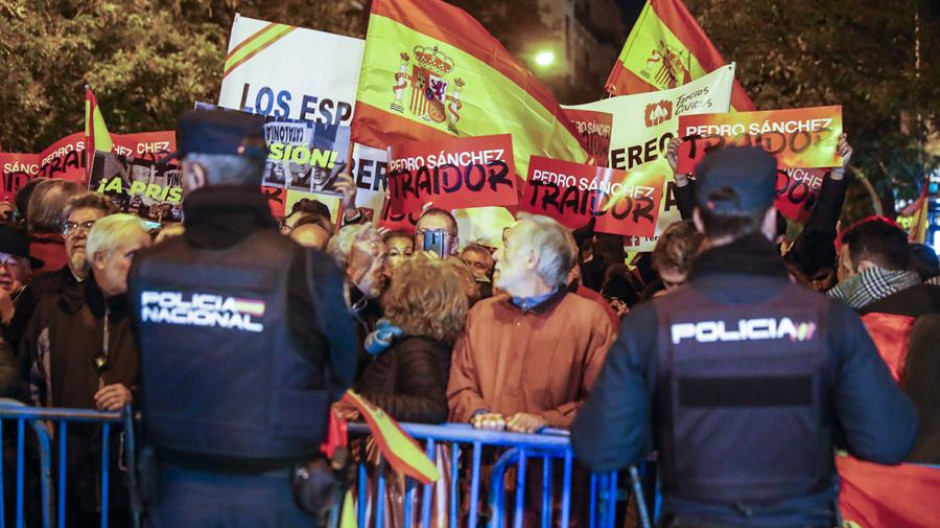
x: 545, y: 58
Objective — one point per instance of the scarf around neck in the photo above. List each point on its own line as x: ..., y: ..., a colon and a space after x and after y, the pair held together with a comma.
x: 873, y: 284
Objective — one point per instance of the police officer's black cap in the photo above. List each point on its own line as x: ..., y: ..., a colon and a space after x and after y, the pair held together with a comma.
x: 736, y: 180
x: 14, y: 241
x: 221, y: 132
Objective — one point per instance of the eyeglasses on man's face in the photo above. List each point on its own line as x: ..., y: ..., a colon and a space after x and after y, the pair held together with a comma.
x: 71, y: 228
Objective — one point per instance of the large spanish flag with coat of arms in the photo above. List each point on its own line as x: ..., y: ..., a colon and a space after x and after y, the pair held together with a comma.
x: 431, y: 72
x: 667, y: 48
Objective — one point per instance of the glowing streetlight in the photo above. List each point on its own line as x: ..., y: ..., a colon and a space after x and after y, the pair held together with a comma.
x: 545, y: 58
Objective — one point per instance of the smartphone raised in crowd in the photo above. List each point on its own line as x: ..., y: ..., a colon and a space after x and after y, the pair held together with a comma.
x: 437, y: 240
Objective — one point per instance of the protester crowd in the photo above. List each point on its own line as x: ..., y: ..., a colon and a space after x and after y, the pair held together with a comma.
x: 509, y: 338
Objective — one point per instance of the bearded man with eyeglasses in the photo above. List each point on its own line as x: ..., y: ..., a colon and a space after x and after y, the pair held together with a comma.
x: 80, y: 213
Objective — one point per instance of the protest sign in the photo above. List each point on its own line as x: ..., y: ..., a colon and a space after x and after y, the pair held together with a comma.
x: 453, y: 174
x: 593, y: 132
x: 799, y: 137
x: 15, y: 170
x: 798, y: 191
x: 624, y: 203
x: 398, y: 221
x: 644, y: 124
x: 305, y: 156
x: 277, y: 201
x: 151, y: 146
x: 290, y: 72
x: 150, y: 189
x: 64, y: 159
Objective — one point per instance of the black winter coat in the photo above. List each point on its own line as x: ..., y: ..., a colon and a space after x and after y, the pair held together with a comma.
x: 409, y: 380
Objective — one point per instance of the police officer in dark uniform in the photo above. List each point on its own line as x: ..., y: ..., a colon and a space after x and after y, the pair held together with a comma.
x: 245, y: 341
x: 744, y: 382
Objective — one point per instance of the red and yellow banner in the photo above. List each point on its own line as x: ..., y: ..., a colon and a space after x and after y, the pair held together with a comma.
x: 667, y: 49
x: 624, y: 202
x: 798, y: 192
x: 431, y: 72
x: 452, y: 174
x: 594, y: 130
x: 399, y: 449
x: 875, y: 496
x: 799, y: 137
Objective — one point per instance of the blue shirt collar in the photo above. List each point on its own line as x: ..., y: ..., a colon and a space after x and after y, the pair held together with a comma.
x: 527, y: 303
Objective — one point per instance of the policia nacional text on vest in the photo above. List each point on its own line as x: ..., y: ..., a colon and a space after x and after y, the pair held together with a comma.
x: 222, y: 380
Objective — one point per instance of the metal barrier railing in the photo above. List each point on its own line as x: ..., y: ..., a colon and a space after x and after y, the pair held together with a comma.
x: 519, y: 451
x: 51, y: 427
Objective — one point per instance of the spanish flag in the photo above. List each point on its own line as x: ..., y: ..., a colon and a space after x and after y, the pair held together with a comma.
x: 430, y: 72
x: 913, y: 218
x: 399, y: 449
x: 97, y: 138
x: 666, y: 49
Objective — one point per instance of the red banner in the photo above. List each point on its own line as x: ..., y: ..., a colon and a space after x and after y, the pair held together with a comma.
x: 875, y: 496
x: 150, y: 146
x: 800, y: 138
x: 16, y: 169
x: 798, y: 192
x: 452, y: 174
x: 65, y: 158
x: 624, y: 202
x: 593, y: 132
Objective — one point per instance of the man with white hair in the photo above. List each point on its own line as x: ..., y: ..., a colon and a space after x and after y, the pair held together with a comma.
x: 529, y: 356
x: 82, y: 352
x: 360, y: 252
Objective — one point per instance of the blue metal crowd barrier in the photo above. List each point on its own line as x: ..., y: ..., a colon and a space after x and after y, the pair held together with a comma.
x: 517, y: 451
x: 51, y: 428
x: 513, y: 450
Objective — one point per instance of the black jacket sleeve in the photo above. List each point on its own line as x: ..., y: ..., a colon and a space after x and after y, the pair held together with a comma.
x: 876, y: 420
x: 685, y: 199
x: 825, y: 215
x: 319, y: 318
x: 420, y: 393
x: 11, y: 382
x: 24, y: 306
x: 613, y: 429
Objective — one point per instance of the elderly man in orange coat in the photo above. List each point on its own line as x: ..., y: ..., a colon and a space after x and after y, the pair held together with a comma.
x: 529, y: 356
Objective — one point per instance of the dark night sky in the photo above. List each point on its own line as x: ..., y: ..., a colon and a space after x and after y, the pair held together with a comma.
x: 631, y: 10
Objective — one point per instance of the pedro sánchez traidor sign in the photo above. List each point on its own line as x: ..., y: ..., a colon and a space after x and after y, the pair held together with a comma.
x: 452, y: 174
x: 624, y: 202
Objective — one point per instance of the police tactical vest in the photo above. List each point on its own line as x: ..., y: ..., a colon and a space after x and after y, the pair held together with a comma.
x: 742, y: 397
x: 221, y: 375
